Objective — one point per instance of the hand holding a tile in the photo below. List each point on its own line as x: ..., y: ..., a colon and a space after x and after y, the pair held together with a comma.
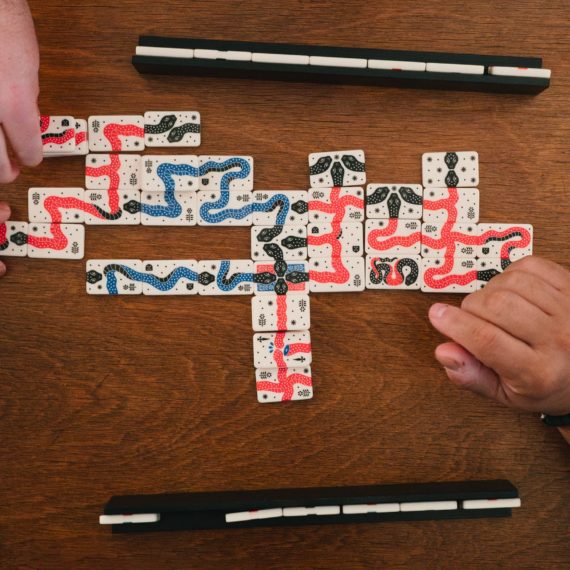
x: 511, y: 340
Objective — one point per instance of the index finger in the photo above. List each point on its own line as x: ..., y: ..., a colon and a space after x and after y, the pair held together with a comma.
x: 21, y: 126
x: 490, y: 344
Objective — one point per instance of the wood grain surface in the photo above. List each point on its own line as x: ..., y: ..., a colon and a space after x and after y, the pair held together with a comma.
x: 102, y: 396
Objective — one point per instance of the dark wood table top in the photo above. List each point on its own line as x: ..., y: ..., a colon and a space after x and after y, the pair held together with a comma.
x: 102, y: 396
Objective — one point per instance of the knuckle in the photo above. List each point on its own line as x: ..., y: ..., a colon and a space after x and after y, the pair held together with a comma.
x: 498, y: 301
x: 485, y: 337
x: 528, y: 263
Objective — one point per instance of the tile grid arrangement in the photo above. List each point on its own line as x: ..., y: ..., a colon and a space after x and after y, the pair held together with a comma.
x: 301, y: 242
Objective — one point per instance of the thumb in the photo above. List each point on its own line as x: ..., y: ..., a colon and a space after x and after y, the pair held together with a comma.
x: 464, y: 370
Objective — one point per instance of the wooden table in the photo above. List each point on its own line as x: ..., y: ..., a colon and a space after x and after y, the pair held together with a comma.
x: 103, y: 396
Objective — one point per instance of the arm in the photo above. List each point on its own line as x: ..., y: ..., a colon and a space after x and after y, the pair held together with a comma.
x: 19, y: 88
x: 511, y: 340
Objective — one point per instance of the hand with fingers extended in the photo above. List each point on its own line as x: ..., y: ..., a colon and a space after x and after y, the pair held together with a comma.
x: 19, y: 115
x: 511, y: 340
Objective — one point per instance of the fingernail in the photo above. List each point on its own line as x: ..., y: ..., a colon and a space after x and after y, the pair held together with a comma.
x: 453, y: 365
x: 437, y: 310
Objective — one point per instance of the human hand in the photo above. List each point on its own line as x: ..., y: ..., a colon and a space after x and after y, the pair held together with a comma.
x: 511, y: 340
x: 19, y: 88
x: 4, y: 216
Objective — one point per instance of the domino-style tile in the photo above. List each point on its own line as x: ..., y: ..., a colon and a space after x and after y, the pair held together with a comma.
x: 336, y: 205
x: 450, y: 169
x: 393, y: 237
x: 172, y: 128
x: 112, y: 171
x: 287, y: 242
x: 226, y: 277
x: 281, y: 313
x: 114, y: 277
x: 116, y: 133
x: 170, y: 277
x: 216, y: 208
x: 450, y: 240
x: 162, y: 172
x: 56, y: 241
x: 394, y: 200
x: 337, y: 168
x: 279, y: 207
x: 226, y: 173
x: 404, y: 272
x: 335, y: 240
x: 449, y: 275
x: 443, y: 205
x: 58, y: 205
x: 283, y: 384
x: 282, y: 349
x: 14, y: 239
x: 112, y: 207
x: 336, y: 275
x: 168, y: 209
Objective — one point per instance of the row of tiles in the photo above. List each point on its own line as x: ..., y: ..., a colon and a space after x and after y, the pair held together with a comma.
x: 286, y: 279
x: 346, y: 62
x: 328, y: 510
x: 262, y: 207
x: 296, y: 242
x: 326, y: 169
x: 63, y: 136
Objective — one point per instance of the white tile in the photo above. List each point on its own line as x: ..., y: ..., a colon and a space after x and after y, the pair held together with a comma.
x: 114, y: 276
x: 58, y: 134
x: 226, y: 173
x: 81, y: 141
x: 56, y: 241
x: 14, y: 239
x: 216, y: 208
x: 393, y: 237
x: 338, y: 61
x: 449, y: 275
x: 226, y: 277
x: 338, y: 204
x: 282, y: 349
x: 137, y: 518
x: 450, y: 240
x: 60, y: 205
x: 336, y: 275
x: 152, y: 51
x: 108, y: 207
x: 337, y: 168
x: 335, y: 240
x: 177, y: 172
x: 404, y: 272
x: 283, y: 384
x: 395, y: 65
x: 371, y: 508
x: 455, y: 68
x: 273, y: 207
x: 168, y: 209
x: 428, y: 506
x: 290, y: 241
x: 284, y: 58
x: 281, y: 312
x: 115, y: 133
x: 520, y: 71
x: 394, y: 200
x: 233, y: 55
x: 472, y: 504
x: 450, y: 169
x: 451, y: 205
x: 512, y: 241
x: 170, y: 277
x: 257, y: 514
x: 112, y: 171
x: 306, y: 511
x: 172, y: 128
x: 281, y: 277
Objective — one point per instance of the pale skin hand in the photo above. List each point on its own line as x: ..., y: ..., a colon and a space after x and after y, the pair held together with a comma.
x: 511, y: 340
x: 19, y: 88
